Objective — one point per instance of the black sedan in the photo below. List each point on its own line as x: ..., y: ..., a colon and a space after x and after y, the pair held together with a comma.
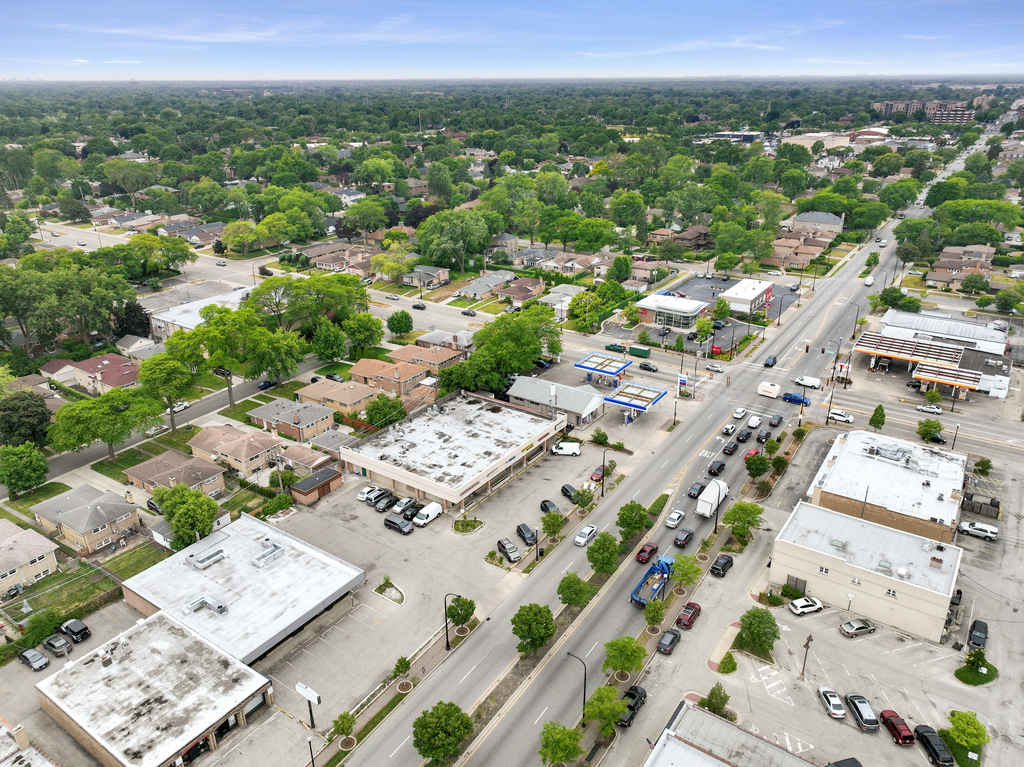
x: 683, y: 537
x: 669, y: 640
x: 776, y: 420
x: 419, y: 306
x: 696, y: 489
x: 730, y: 448
x: 469, y: 312
x: 716, y: 468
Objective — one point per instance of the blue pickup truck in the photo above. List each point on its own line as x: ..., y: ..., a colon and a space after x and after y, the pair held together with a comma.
x: 797, y: 398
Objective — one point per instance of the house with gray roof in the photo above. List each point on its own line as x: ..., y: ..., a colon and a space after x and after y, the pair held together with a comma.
x: 423, y: 275
x: 582, y: 405
x: 298, y: 420
x: 87, y: 518
x: 484, y: 286
x: 172, y: 468
x: 818, y: 220
x: 25, y: 555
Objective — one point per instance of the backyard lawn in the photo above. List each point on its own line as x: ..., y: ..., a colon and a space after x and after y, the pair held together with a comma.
x: 135, y: 560
x: 65, y: 591
x: 38, y: 495
x: 177, y: 439
x: 243, y: 501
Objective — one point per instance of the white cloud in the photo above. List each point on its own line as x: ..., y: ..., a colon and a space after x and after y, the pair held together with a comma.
x: 118, y: 61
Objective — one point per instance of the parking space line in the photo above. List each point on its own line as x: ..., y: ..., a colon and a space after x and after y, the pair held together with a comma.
x: 881, y: 689
x: 901, y: 649
x: 941, y: 657
x: 798, y: 747
x: 911, y: 699
x: 846, y: 670
x: 778, y: 694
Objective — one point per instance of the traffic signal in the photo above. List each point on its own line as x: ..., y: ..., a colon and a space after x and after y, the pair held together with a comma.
x: 822, y: 349
x: 807, y: 348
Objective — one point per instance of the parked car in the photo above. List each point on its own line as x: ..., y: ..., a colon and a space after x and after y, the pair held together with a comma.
x: 934, y: 746
x: 410, y: 511
x: 647, y: 551
x: 177, y: 407
x: 385, y: 502
x: 334, y: 377
x: 419, y: 306
x: 764, y: 435
x: 506, y: 547
x: 668, y: 641
x: 857, y: 627
x: 57, y: 645
x: 728, y: 429
x: 751, y: 453
x: 730, y: 448
x: 915, y: 385
x: 664, y: 331
x: 469, y: 313
x: 719, y: 324
x: 34, y: 659
x: 596, y: 474
x: 690, y: 613
x: 901, y: 734
x: 715, y: 368
x: 650, y: 367
x: 930, y: 409
x: 547, y: 507
x: 805, y: 605
x: 567, y: 448
x: 977, y: 637
x: 721, y: 565
x: 794, y: 288
x: 979, y: 530
x: 153, y: 506
x: 715, y: 468
x: 152, y: 431
x: 222, y: 263
x: 696, y: 489
x: 568, y: 491
x: 683, y: 537
x: 374, y: 495
x: 830, y: 700
x: 635, y: 697
x: 586, y: 535
x: 267, y: 385
x: 76, y: 630
x: 753, y: 422
x: 403, y: 504
x: 862, y: 711
x: 776, y: 420
x: 314, y: 379
x: 527, y: 534
x: 674, y: 518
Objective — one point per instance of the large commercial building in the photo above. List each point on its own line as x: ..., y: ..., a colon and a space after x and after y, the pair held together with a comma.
x: 157, y: 695
x: 886, y: 575
x: 245, y: 587
x: 904, y: 485
x: 671, y: 311
x: 460, y: 446
x: 749, y: 296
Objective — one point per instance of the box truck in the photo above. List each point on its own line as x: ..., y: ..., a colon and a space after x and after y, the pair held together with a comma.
x: 766, y: 389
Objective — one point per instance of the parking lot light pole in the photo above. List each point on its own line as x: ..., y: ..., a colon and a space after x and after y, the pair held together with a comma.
x: 807, y: 649
x: 309, y: 740
x: 583, y: 721
x: 447, y: 644
x: 604, y: 469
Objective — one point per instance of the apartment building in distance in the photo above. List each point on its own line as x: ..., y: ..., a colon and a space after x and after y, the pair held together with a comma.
x: 938, y: 112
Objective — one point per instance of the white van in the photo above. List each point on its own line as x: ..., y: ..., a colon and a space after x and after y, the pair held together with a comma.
x: 427, y: 514
x: 869, y: 280
x: 810, y: 383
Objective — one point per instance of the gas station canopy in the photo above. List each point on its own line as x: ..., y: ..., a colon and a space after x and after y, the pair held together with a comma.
x: 635, y: 396
x: 604, y: 363
x: 922, y: 352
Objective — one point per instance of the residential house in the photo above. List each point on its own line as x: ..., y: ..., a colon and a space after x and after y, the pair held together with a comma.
x: 569, y: 263
x: 172, y: 468
x: 695, y: 237
x: 952, y: 272
x: 485, y: 285
x: 659, y: 235
x: 374, y: 239
x: 396, y: 378
x: 422, y: 395
x: 637, y: 286
x: 303, y: 460
x: 817, y: 220
x: 795, y: 250
x: 246, y: 452
x: 969, y: 252
x: 332, y: 441
x: 463, y: 339
x: 330, y: 262
x: 417, y: 187
x: 504, y: 243
x: 434, y: 358
x: 343, y: 396
x: 98, y: 375
x: 521, y: 290
x: 143, y: 353
x: 423, y: 276
x: 202, y: 235
x: 582, y: 404
x: 643, y: 271
x: 59, y: 370
x: 88, y: 519
x: 41, y: 386
x: 298, y: 420
x: 529, y: 257
x: 347, y: 195
x: 177, y: 224
x: 558, y: 298
x: 318, y: 484
x: 469, y: 205
x: 127, y: 344
x: 25, y: 556
x: 602, y: 265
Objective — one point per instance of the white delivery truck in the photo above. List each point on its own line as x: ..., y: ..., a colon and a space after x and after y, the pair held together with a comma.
x: 711, y: 497
x: 427, y: 514
x: 766, y: 389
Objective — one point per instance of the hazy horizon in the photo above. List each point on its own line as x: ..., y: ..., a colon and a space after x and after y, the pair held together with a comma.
x: 394, y: 40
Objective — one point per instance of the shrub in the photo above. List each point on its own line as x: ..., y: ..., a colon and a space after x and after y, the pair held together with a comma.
x: 618, y: 446
x: 727, y: 664
x: 799, y: 433
x: 402, y: 666
x: 764, y: 487
x: 599, y: 437
x: 716, y: 701
x: 791, y: 592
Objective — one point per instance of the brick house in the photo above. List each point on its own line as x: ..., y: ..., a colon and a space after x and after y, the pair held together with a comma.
x: 434, y: 358
x: 304, y: 460
x: 695, y: 237
x: 343, y: 396
x: 99, y: 375
x: 87, y: 518
x: 299, y: 420
x: 246, y: 452
x: 421, y: 276
x: 172, y: 468
x: 25, y: 556
x: 61, y: 371
x: 398, y: 378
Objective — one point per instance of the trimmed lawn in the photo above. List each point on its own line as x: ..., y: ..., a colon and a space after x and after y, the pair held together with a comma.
x: 135, y: 560
x: 38, y: 495
x: 153, y: 448
x: 287, y: 390
x: 341, y: 368
x: 241, y: 410
x: 5, y: 514
x: 209, y: 381
x: 66, y: 591
x: 177, y: 439
x: 408, y: 338
x: 492, y: 306
x: 244, y: 500
x: 115, y: 468
x: 264, y: 398
x: 462, y: 303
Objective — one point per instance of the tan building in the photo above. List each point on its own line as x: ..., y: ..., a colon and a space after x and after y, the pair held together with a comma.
x: 172, y: 468
x: 398, y: 378
x: 435, y: 358
x: 299, y: 420
x: 87, y: 518
x: 25, y: 556
x: 99, y: 375
x: 342, y: 396
x: 303, y: 460
x: 244, y: 451
x: 807, y: 140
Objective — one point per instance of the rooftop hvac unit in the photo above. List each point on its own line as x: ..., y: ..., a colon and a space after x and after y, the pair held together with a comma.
x: 202, y: 562
x: 902, y: 572
x: 269, y: 555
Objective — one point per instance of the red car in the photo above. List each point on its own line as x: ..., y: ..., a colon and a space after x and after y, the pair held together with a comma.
x: 648, y: 551
x: 901, y: 734
x: 751, y: 453
x: 688, y: 615
x: 598, y: 473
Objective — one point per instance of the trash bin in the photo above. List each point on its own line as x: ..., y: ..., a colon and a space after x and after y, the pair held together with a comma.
x: 540, y: 553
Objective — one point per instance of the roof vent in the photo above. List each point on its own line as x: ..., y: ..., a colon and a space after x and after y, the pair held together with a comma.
x: 201, y: 563
x: 885, y: 565
x: 902, y: 572
x: 841, y: 545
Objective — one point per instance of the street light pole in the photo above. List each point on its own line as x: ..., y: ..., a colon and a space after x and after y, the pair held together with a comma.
x: 855, y: 321
x: 447, y: 644
x: 839, y: 345
x: 807, y: 649
x: 583, y: 722
x: 885, y: 279
x: 953, y: 446
x: 309, y: 740
x: 604, y: 470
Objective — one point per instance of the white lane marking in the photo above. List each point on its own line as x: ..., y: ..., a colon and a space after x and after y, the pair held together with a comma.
x: 899, y: 649
x: 664, y: 464
x: 541, y: 714
x: 771, y: 679
x: 635, y: 494
x: 591, y: 649
x: 467, y: 674
x: 567, y: 568
x: 400, y: 746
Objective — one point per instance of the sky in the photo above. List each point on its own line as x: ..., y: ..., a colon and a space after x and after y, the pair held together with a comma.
x: 412, y: 39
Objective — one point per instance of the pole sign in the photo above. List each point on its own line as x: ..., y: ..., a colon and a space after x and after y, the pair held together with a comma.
x: 682, y: 380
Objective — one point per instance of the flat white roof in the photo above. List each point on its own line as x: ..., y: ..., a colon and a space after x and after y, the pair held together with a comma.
x: 187, y: 315
x: 905, y: 557
x: 745, y: 290
x: 904, y: 477
x: 163, y: 687
x: 672, y: 304
x: 270, y: 583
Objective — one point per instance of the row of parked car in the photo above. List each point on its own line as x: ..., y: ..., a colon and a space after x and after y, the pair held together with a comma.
x: 74, y: 629
x: 403, y: 513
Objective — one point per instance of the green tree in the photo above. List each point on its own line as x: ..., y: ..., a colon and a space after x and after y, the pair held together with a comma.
x: 887, y: 165
x: 603, y: 554
x: 190, y: 513
x: 382, y: 410
x: 24, y: 417
x: 929, y: 428
x: 400, y: 323
x: 716, y: 700
x: 933, y: 396
x: 460, y: 611
x: 877, y: 420
x: 967, y: 730
x: 534, y: 625
x: 364, y: 330
x: 722, y: 309
x: 132, y: 177
x: 344, y: 724
x: 686, y: 570
x: 219, y: 341
x: 241, y: 236
x: 621, y: 269
x: 574, y: 591
x: 110, y: 418
x: 274, y: 354
x: 438, y: 733
x: 632, y: 518
x: 771, y: 447
x: 744, y: 516
x: 757, y: 466
x: 606, y: 708
x: 439, y: 182
x: 983, y: 466
x: 366, y: 215
x: 329, y: 342
x: 559, y: 743
x: 624, y: 654
x: 644, y: 337
x: 654, y: 612
x: 758, y: 631
x: 727, y: 261
x: 164, y: 378
x: 22, y: 467
x: 974, y: 283
x: 451, y: 235
x: 552, y: 523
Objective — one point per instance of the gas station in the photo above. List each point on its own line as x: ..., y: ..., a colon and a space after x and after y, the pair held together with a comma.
x: 606, y: 369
